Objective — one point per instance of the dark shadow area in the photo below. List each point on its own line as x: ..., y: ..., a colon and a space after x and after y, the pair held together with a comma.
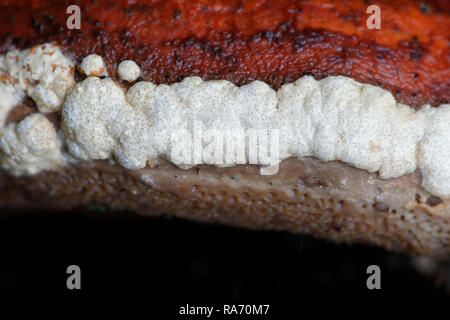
x: 171, y: 259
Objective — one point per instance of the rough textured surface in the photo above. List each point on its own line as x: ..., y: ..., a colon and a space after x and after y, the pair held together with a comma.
x: 329, y: 200
x: 30, y: 147
x: 206, y: 122
x: 93, y: 65
x: 43, y: 73
x: 273, y: 41
x: 128, y: 70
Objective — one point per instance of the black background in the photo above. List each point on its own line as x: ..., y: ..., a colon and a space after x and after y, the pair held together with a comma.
x: 167, y: 259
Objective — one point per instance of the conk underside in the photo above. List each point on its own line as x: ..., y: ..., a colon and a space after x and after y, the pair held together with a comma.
x: 335, y: 131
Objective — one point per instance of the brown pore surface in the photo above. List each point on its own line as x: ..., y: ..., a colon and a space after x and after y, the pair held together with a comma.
x: 273, y: 41
x: 329, y: 200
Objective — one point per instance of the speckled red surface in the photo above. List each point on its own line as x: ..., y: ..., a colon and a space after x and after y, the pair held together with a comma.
x: 274, y: 41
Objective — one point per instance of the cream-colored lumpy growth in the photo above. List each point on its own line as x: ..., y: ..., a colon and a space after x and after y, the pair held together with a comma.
x: 99, y: 123
x: 434, y: 155
x: 335, y: 118
x: 338, y: 118
x: 31, y: 146
x: 44, y: 74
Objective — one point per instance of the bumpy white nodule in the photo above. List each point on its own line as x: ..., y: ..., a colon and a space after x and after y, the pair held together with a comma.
x: 128, y: 70
x: 93, y: 65
x: 42, y: 72
x: 31, y: 146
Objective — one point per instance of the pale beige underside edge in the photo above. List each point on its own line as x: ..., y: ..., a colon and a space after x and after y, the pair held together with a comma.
x: 329, y: 200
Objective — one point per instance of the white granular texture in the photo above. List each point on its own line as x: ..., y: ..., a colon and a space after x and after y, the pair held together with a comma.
x: 335, y: 118
x: 9, y: 98
x: 128, y: 70
x: 98, y: 123
x: 434, y: 155
x: 93, y: 65
x: 42, y: 72
x: 30, y: 146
